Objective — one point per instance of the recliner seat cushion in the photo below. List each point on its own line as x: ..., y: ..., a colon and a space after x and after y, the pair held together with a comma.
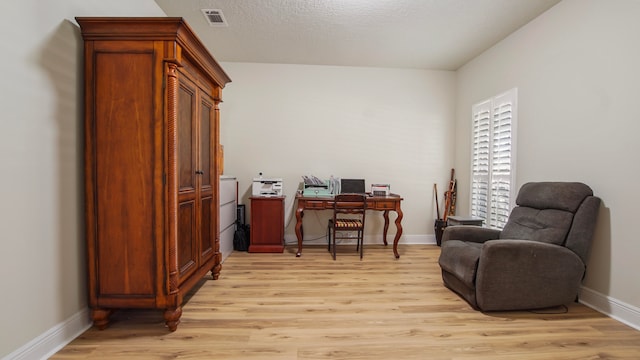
x: 460, y: 259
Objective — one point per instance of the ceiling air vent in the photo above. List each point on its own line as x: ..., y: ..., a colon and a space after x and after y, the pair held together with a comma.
x: 214, y: 17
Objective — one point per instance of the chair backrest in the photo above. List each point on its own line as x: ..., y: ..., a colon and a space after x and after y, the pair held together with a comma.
x: 350, y: 204
x: 560, y: 213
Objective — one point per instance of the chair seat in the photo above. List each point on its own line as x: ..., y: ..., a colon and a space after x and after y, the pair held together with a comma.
x: 348, y: 223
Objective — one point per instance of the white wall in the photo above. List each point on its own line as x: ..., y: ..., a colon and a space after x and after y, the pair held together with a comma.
x: 41, y: 215
x: 384, y: 125
x: 576, y: 70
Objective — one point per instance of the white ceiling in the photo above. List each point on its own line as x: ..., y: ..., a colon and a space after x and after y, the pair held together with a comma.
x: 423, y: 34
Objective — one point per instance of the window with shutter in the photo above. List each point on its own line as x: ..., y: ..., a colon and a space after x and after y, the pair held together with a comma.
x: 493, y: 158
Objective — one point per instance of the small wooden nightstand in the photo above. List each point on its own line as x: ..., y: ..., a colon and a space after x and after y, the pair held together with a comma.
x: 267, y: 224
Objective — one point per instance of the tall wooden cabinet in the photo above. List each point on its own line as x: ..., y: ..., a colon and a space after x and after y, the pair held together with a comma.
x: 151, y: 167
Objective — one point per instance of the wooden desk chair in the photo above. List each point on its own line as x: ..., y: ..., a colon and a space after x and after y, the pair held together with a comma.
x: 348, y: 218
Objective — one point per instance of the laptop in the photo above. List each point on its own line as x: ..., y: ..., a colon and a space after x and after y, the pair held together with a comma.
x: 355, y: 186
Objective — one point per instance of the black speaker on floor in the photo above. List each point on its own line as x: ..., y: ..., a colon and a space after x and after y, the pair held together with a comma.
x: 240, y: 214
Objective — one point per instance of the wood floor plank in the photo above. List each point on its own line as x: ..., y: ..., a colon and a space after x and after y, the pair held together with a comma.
x: 277, y: 306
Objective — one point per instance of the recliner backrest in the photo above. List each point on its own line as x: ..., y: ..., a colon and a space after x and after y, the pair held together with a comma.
x: 544, y: 225
x: 560, y: 213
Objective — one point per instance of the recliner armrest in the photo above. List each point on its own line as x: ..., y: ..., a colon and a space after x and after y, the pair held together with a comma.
x: 471, y: 233
x: 518, y: 274
x: 516, y: 251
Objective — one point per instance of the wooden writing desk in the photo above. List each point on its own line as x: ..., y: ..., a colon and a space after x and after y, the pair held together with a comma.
x: 379, y: 203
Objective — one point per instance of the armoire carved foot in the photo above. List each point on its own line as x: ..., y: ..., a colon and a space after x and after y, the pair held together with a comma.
x: 101, y: 318
x: 172, y: 318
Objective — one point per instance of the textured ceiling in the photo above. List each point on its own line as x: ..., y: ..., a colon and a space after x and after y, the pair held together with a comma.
x: 424, y: 34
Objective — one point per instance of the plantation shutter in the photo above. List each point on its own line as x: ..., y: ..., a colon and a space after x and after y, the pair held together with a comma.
x: 501, y: 160
x: 493, y: 159
x: 481, y: 160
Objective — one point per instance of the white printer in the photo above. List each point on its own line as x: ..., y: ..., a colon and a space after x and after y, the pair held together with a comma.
x: 266, y: 187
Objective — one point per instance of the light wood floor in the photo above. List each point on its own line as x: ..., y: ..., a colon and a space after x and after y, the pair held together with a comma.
x: 277, y: 306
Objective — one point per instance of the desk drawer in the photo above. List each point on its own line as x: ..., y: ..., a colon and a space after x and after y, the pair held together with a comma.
x: 385, y: 205
x: 315, y: 204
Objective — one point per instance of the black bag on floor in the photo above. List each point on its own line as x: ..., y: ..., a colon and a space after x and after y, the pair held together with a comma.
x: 438, y: 228
x: 241, y: 238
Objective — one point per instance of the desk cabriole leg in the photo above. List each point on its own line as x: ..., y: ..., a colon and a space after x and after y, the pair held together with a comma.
x: 299, y: 230
x: 385, y: 215
x: 398, y: 232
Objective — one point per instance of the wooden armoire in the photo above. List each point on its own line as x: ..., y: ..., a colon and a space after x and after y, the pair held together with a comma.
x: 151, y: 163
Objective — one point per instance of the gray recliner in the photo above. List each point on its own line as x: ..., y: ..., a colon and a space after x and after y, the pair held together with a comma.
x: 537, y: 261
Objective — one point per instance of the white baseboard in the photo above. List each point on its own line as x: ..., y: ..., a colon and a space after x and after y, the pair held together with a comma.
x: 615, y: 309
x: 54, y: 339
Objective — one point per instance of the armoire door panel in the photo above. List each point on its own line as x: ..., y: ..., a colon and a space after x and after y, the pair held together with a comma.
x: 122, y: 139
x: 186, y: 130
x: 207, y: 235
x: 207, y: 188
x: 187, y: 251
x: 206, y: 115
